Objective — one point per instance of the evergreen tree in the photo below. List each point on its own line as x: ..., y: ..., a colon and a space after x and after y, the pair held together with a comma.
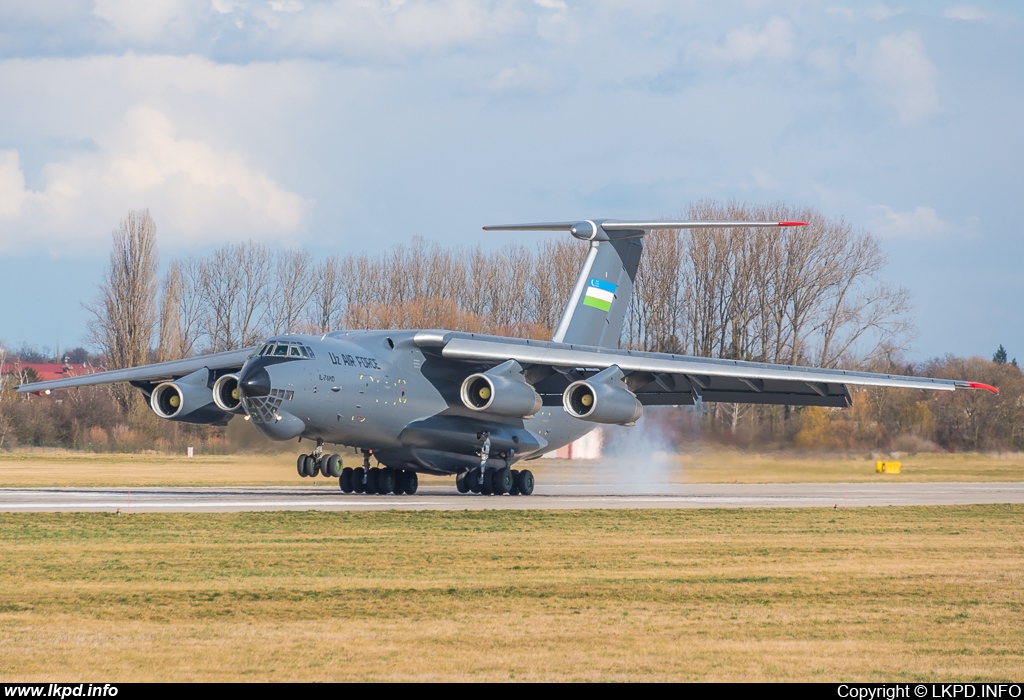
x: 1000, y: 357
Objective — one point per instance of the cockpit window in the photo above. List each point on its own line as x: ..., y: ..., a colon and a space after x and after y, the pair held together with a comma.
x: 289, y: 350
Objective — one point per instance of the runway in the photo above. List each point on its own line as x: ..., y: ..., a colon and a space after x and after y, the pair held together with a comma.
x: 550, y: 497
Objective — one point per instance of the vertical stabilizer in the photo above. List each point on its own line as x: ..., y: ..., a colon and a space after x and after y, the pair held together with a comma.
x: 597, y: 306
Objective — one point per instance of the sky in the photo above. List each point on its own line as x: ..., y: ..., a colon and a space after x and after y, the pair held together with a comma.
x: 352, y: 126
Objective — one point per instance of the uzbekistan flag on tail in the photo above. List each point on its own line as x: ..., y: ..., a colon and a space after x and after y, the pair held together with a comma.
x: 600, y: 294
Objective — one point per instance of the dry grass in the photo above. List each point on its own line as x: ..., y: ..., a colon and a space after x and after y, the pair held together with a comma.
x: 65, y: 468
x: 805, y: 594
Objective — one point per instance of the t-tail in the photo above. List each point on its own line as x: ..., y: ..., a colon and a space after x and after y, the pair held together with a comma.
x: 597, y: 306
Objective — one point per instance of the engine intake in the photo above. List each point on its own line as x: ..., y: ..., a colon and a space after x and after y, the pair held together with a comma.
x: 604, y: 398
x: 187, y: 399
x: 501, y: 390
x: 226, y: 394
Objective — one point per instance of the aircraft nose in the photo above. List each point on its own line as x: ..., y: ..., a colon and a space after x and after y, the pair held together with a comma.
x: 254, y: 381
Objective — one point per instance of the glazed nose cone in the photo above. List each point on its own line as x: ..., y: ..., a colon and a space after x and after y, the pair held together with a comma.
x: 254, y: 381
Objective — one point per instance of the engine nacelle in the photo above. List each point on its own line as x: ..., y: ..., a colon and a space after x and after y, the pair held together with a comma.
x: 604, y: 398
x: 188, y: 399
x: 226, y: 394
x: 502, y: 391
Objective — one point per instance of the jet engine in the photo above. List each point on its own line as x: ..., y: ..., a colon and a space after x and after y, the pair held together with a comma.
x: 188, y: 400
x: 501, y: 390
x: 226, y: 394
x: 604, y: 398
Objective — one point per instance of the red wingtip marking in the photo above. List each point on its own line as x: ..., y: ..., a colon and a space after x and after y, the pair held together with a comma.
x: 792, y: 223
x: 986, y: 387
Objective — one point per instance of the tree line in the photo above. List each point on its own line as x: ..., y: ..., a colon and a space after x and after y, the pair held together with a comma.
x: 812, y: 295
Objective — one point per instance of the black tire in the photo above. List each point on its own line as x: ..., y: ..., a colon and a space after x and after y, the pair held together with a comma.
x: 300, y: 464
x: 345, y: 480
x: 333, y: 464
x: 312, y: 468
x: 526, y: 482
x: 412, y: 482
x: 462, y: 482
x: 400, y: 477
x: 514, y: 491
x: 473, y: 480
x: 372, y: 480
x: 487, y: 487
x: 386, y: 479
x: 357, y: 480
x: 501, y: 481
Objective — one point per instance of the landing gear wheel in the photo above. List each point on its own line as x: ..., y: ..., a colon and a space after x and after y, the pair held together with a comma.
x: 412, y: 482
x: 462, y: 482
x: 399, y: 487
x: 357, y: 480
x: 373, y: 480
x: 333, y: 465
x: 487, y: 488
x: 501, y: 481
x: 300, y: 464
x: 311, y: 466
x: 386, y: 480
x: 473, y: 480
x: 345, y: 480
x: 526, y: 482
x: 514, y: 490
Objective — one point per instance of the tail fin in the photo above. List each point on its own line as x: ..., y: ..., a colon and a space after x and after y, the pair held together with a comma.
x: 597, y: 306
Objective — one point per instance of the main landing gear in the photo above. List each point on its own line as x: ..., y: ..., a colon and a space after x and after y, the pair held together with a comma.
x: 316, y: 463
x: 490, y: 481
x: 494, y: 482
x: 379, y: 480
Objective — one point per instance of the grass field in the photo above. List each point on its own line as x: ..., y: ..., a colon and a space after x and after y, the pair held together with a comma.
x: 64, y: 468
x: 806, y: 594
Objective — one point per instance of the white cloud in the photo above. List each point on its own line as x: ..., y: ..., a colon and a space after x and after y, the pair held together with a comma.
x: 743, y: 46
x: 968, y: 13
x: 522, y: 79
x: 197, y: 194
x: 875, y: 12
x: 921, y: 223
x: 12, y: 186
x: 149, y: 20
x: 899, y: 70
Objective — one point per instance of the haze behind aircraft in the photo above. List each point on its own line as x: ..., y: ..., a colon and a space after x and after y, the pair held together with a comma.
x: 470, y: 405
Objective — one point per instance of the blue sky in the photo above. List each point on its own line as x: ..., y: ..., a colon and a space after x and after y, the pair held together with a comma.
x: 350, y: 126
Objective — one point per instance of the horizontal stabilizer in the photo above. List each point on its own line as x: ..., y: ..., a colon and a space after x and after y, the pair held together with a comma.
x: 611, y: 229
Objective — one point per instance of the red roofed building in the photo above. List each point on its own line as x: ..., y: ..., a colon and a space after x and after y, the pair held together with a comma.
x: 45, y: 371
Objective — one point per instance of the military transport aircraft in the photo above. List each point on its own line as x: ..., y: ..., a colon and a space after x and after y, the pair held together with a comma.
x: 469, y: 405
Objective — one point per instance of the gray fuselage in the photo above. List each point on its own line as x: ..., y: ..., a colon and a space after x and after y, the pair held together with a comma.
x: 379, y: 391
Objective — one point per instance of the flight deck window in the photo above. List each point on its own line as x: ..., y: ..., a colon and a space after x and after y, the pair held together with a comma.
x: 294, y: 352
x: 281, y: 351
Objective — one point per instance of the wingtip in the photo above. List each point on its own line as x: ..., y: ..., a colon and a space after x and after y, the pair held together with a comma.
x: 792, y: 223
x: 986, y: 387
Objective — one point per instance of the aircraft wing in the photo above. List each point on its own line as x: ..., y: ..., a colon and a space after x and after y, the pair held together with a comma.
x: 161, y: 371
x: 666, y: 379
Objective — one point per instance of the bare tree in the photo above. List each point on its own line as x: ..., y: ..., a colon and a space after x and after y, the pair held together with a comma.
x: 125, y: 315
x: 328, y: 295
x: 293, y: 290
x: 235, y: 282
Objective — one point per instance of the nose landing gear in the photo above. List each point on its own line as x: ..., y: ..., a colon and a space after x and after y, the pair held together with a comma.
x: 316, y: 463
